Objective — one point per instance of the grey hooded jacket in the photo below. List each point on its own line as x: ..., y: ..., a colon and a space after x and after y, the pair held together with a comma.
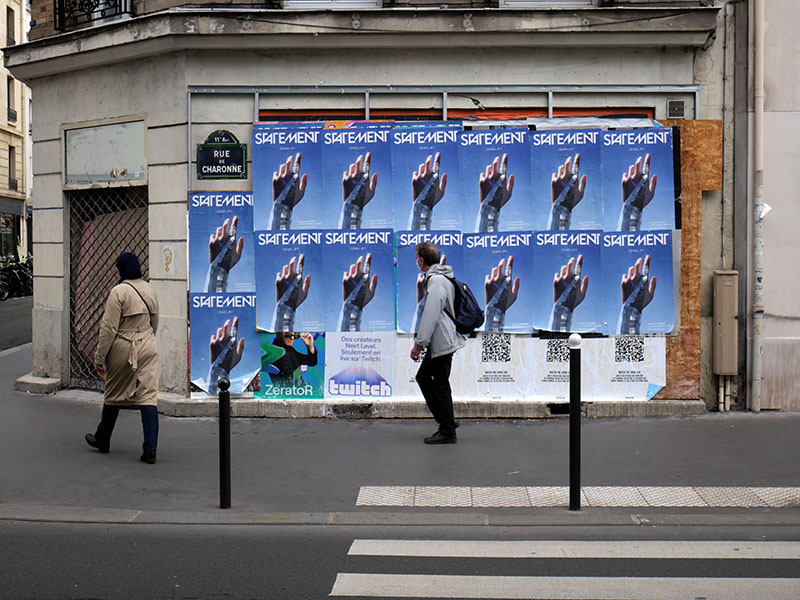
x: 437, y: 331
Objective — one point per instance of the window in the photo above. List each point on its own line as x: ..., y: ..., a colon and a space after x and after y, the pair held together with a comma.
x: 11, y: 93
x: 322, y: 4
x: 546, y: 3
x: 11, y: 38
x: 12, y: 168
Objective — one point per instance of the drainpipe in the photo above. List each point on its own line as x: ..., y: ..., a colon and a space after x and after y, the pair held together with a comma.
x: 758, y: 203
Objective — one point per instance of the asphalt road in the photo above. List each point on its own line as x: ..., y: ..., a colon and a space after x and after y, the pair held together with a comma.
x: 131, y: 562
x: 15, y: 322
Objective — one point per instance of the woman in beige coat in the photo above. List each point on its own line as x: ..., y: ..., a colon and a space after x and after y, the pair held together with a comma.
x: 128, y: 356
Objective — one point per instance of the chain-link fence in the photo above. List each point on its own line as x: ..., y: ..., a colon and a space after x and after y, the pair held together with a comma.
x: 103, y: 223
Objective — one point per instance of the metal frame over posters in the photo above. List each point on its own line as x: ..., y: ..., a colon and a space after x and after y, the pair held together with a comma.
x: 324, y: 243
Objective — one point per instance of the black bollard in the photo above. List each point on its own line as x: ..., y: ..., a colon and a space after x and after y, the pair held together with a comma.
x: 575, y: 422
x: 224, y: 443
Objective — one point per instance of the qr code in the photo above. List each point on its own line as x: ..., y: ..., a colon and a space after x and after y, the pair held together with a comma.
x: 629, y: 349
x: 557, y: 351
x: 496, y: 347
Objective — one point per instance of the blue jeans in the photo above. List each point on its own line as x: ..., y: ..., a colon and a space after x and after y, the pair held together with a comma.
x: 149, y: 425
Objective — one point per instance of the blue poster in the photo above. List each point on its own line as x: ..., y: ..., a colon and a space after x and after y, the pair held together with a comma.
x: 287, y: 176
x: 636, y: 286
x: 498, y: 267
x: 566, y: 181
x: 567, y: 272
x: 292, y: 365
x: 425, y: 165
x: 221, y: 248
x: 495, y: 180
x: 224, y: 342
x: 357, y: 285
x: 410, y: 280
x: 289, y: 281
x: 638, y: 184
x: 357, y: 177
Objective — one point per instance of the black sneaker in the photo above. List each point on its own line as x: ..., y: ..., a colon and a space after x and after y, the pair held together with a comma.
x: 440, y: 438
x: 149, y: 457
x: 92, y: 440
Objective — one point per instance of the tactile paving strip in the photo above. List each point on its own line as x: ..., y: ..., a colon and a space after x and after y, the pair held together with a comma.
x: 730, y: 496
x: 599, y: 496
x: 443, y: 496
x: 614, y: 496
x: 500, y: 496
x: 672, y: 496
x: 399, y: 495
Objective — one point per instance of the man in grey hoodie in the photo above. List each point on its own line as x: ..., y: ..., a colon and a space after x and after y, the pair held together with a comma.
x: 437, y: 333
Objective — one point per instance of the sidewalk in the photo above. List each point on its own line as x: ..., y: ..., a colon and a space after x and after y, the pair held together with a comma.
x: 313, y: 470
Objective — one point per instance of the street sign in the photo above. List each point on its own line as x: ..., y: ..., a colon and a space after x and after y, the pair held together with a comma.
x: 221, y: 157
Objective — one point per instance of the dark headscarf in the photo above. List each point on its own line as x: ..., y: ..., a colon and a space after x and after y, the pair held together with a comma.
x: 128, y: 266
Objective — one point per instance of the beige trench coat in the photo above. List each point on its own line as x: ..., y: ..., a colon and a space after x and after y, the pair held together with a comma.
x: 127, y: 345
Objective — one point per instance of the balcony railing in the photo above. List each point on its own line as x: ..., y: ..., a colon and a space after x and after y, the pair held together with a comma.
x: 12, y: 115
x: 73, y: 14
x: 13, y: 184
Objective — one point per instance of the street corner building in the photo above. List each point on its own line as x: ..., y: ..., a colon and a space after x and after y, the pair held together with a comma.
x: 157, y: 127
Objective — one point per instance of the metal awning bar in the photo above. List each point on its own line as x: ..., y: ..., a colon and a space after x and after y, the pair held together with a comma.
x: 422, y: 89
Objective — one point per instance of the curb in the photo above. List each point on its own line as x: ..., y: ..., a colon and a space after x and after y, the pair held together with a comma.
x: 543, y: 517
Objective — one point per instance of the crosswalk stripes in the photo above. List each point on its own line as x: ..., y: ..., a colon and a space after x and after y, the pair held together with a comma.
x: 491, y: 587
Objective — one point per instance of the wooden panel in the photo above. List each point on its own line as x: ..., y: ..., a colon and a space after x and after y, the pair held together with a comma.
x: 701, y: 170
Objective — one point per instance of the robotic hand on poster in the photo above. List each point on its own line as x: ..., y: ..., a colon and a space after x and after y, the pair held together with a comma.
x: 567, y: 191
x: 290, y: 292
x: 568, y: 292
x: 288, y: 189
x: 427, y: 187
x: 500, y: 293
x: 638, y: 189
x: 225, y: 352
x: 357, y: 291
x: 495, y: 192
x: 224, y: 251
x: 638, y: 289
x: 357, y: 190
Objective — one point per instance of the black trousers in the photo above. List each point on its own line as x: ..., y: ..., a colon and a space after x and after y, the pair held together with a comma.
x: 108, y: 419
x: 433, y: 378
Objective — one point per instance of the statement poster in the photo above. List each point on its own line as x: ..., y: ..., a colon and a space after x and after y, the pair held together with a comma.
x: 289, y: 281
x: 566, y: 180
x: 495, y: 180
x: 223, y: 340
x: 498, y: 267
x: 357, y: 282
x: 411, y: 281
x: 221, y: 248
x: 287, y: 177
x: 427, y: 181
x: 357, y: 175
x: 637, y: 285
x: 566, y: 274
x: 638, y: 181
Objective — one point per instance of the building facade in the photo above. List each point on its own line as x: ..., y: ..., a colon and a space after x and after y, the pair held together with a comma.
x: 123, y: 95
x: 14, y: 148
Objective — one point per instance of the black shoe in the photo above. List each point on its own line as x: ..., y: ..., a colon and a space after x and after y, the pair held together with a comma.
x: 440, y: 438
x: 92, y: 440
x: 149, y: 457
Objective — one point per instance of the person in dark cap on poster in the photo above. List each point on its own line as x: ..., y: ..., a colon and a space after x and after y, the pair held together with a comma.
x: 127, y: 357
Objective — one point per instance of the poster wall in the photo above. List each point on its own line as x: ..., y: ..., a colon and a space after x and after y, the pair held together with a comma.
x: 565, y: 230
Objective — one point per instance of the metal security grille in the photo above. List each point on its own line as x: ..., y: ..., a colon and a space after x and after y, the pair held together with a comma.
x: 103, y: 223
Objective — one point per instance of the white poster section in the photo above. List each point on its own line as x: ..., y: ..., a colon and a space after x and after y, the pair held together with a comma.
x: 376, y: 367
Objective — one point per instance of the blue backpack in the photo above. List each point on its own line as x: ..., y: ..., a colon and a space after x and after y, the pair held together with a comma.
x: 469, y: 315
